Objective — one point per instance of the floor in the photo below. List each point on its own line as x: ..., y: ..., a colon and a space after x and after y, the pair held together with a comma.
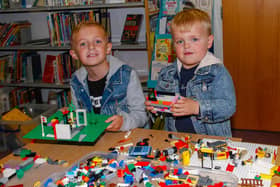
x: 261, y: 137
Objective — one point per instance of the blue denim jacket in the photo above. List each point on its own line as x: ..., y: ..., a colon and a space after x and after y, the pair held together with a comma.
x: 212, y: 87
x: 123, y: 94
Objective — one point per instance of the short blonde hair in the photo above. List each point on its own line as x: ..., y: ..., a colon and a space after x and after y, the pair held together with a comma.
x: 84, y: 24
x: 186, y: 18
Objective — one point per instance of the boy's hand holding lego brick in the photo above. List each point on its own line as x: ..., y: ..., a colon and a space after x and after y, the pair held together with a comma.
x: 184, y: 107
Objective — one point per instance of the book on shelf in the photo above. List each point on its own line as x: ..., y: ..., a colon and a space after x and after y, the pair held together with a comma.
x: 164, y: 25
x: 156, y: 66
x: 6, y: 68
x: 13, y: 97
x: 14, y: 4
x: 38, y: 3
x: 15, y: 33
x: 20, y: 67
x: 2, y: 69
x: 59, y: 97
x: 153, y: 5
x: 163, y: 51
x: 4, y: 4
x: 33, y: 68
x: 114, y: 1
x: 131, y: 28
x: 60, y: 24
x: 41, y: 41
x: 59, y: 69
x: 4, y: 99
x: 169, y: 7
x: 48, y: 74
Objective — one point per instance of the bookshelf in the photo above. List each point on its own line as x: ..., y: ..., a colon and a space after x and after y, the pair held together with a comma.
x: 39, y: 30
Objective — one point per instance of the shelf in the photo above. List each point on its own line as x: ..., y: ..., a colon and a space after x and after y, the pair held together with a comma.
x: 136, y: 46
x: 153, y: 12
x: 71, y: 8
x: 116, y: 46
x: 45, y: 46
x: 36, y: 85
x: 143, y: 80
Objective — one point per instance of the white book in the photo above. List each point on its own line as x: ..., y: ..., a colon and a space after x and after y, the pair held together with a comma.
x: 162, y: 25
x: 114, y: 1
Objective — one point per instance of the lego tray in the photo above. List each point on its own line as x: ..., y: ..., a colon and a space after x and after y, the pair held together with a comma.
x: 105, y: 169
x: 34, y: 111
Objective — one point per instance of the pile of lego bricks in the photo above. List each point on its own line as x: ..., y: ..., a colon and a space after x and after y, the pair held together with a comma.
x: 110, y: 169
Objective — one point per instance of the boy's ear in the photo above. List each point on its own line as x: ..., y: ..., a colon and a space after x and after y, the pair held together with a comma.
x: 73, y: 54
x: 210, y: 41
x: 109, y: 48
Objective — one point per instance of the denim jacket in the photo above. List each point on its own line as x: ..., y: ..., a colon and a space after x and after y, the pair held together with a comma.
x: 212, y: 87
x: 123, y: 94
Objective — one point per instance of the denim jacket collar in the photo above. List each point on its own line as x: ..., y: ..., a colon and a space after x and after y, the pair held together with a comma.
x: 208, y: 60
x: 113, y: 66
x: 82, y: 72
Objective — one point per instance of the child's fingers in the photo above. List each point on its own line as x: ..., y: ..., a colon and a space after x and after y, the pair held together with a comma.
x: 110, y: 119
x: 116, y: 123
x: 64, y: 109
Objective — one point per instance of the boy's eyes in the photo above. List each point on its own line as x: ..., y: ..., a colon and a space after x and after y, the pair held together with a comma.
x: 194, y: 39
x: 98, y: 41
x: 179, y: 42
x: 82, y: 44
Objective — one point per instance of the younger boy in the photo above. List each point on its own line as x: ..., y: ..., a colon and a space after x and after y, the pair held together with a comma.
x: 104, y: 84
x: 207, y: 96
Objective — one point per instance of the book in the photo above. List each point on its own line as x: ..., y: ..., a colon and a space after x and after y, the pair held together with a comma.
x: 33, y: 68
x: 164, y: 25
x: 114, y: 1
x: 42, y: 41
x: 169, y: 7
x: 156, y: 67
x: 48, y: 75
x: 4, y: 99
x: 163, y: 49
x: 131, y: 28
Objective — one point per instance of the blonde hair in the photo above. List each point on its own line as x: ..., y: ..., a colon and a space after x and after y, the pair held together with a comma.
x: 84, y: 24
x: 186, y: 18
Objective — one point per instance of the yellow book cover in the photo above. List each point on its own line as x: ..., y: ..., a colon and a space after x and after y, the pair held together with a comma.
x: 163, y: 50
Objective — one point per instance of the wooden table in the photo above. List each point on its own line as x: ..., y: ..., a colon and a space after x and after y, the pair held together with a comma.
x: 72, y: 153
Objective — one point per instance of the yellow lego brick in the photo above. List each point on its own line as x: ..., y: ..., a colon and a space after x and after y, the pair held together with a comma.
x: 186, y: 158
x: 266, y: 176
x: 206, y: 150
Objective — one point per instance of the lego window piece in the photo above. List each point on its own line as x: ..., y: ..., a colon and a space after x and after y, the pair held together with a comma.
x: 81, y: 117
x: 139, y: 150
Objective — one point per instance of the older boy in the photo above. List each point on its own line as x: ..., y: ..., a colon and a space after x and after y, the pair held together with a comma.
x: 104, y: 84
x: 207, y: 96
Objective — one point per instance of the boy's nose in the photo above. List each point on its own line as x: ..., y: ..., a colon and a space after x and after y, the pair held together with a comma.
x: 187, y: 45
x: 91, y: 46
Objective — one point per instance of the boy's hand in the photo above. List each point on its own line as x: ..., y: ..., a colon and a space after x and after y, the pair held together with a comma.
x: 116, y: 124
x: 64, y: 109
x: 184, y: 107
x: 149, y: 107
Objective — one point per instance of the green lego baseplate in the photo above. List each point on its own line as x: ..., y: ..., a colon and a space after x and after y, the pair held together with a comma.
x: 93, y: 126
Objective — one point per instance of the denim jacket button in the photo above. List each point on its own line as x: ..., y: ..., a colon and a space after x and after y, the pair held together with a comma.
x: 204, y: 87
